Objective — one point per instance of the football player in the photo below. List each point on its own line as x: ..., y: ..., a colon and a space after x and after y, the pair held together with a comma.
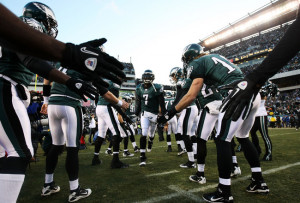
x: 149, y: 97
x: 107, y: 118
x: 16, y: 72
x: 186, y: 121
x: 86, y: 58
x: 215, y: 70
x: 172, y: 123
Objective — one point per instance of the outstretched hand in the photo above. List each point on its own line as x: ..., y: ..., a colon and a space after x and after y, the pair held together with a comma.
x: 82, y: 88
x: 88, y: 58
x: 240, y: 100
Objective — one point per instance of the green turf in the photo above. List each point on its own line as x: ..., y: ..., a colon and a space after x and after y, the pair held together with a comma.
x: 135, y: 185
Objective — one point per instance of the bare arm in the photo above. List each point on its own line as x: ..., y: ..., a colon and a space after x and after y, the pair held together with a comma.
x: 111, y: 98
x: 190, y: 95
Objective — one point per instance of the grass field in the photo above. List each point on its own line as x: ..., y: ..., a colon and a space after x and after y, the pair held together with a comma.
x: 162, y: 180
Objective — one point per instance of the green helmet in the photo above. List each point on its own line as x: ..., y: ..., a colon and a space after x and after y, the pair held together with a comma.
x: 168, y: 94
x: 175, y: 74
x: 148, y: 76
x: 190, y: 52
x: 43, y: 14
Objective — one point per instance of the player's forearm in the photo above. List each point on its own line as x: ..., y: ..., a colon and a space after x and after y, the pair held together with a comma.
x: 185, y: 102
x: 108, y: 96
x: 17, y: 35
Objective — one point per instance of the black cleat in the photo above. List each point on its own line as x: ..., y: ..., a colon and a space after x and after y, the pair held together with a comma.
x: 136, y: 149
x: 218, y: 196
x: 188, y: 164
x: 96, y: 161
x: 78, y: 194
x: 197, y: 179
x: 169, y: 149
x: 258, y: 187
x: 50, y: 188
x: 118, y: 164
x: 143, y: 161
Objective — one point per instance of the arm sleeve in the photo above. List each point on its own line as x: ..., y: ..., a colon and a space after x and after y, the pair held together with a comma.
x: 35, y: 65
x: 137, y: 105
x: 161, y: 101
x: 285, y: 50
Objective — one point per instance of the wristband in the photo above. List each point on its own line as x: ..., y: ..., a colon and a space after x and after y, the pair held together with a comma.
x: 120, y: 102
x: 46, y: 100
x: 46, y: 90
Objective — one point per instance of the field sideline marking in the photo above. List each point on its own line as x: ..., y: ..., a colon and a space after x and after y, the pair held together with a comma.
x: 161, y: 174
x: 180, y: 192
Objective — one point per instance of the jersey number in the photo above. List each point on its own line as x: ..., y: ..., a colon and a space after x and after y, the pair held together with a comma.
x: 206, y: 91
x: 167, y: 102
x: 145, y: 96
x: 229, y: 67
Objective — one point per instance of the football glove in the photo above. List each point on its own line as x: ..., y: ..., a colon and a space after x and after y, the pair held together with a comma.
x: 88, y: 58
x: 82, y: 88
x: 167, y: 116
x: 240, y: 100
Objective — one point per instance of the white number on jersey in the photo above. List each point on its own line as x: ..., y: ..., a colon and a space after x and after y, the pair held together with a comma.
x: 206, y: 92
x: 229, y: 67
x: 145, y: 96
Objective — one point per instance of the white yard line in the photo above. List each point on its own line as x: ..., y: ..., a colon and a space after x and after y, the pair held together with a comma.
x: 180, y: 192
x: 163, y: 173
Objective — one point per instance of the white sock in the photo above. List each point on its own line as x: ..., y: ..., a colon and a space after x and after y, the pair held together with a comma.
x: 10, y: 186
x: 134, y: 145
x: 195, y: 148
x: 169, y: 143
x: 74, y: 184
x: 234, y: 159
x: 191, y: 156
x: 49, y: 178
x: 182, y: 144
x: 201, y: 167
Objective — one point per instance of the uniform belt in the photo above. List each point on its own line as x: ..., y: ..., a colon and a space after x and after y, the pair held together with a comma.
x: 8, y: 79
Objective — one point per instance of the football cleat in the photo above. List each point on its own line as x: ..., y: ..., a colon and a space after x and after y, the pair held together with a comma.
x: 258, y: 187
x: 136, y: 149
x: 149, y: 148
x: 182, y: 152
x: 78, y: 194
x: 50, y: 188
x: 236, y: 171
x: 197, y: 179
x: 127, y: 154
x: 108, y: 151
x: 218, y: 196
x: 143, y: 161
x: 188, y: 164
x: 96, y: 161
x: 169, y: 149
x: 118, y: 164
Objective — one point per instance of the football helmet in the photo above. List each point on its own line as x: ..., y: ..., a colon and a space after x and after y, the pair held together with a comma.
x: 190, y: 52
x: 148, y: 77
x: 175, y: 74
x: 127, y: 98
x: 269, y: 89
x: 43, y: 14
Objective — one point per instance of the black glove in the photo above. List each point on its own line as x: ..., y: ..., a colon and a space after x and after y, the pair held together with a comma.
x: 82, y: 88
x: 87, y: 58
x: 167, y: 116
x: 242, y: 96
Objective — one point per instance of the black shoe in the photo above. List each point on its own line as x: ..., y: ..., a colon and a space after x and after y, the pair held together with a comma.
x: 218, y: 196
x: 143, y: 161
x: 136, y: 149
x: 188, y: 164
x: 78, y: 194
x: 182, y: 152
x: 50, y: 188
x: 108, y: 151
x: 169, y: 149
x: 118, y: 164
x: 198, y: 179
x: 96, y: 161
x: 127, y: 154
x: 267, y: 157
x: 258, y: 187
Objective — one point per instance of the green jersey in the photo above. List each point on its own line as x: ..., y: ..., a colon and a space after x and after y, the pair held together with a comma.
x: 12, y: 67
x: 207, y: 95
x: 61, y: 94
x: 113, y: 88
x: 169, y: 102
x: 149, y: 97
x: 214, y: 69
x: 130, y: 111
